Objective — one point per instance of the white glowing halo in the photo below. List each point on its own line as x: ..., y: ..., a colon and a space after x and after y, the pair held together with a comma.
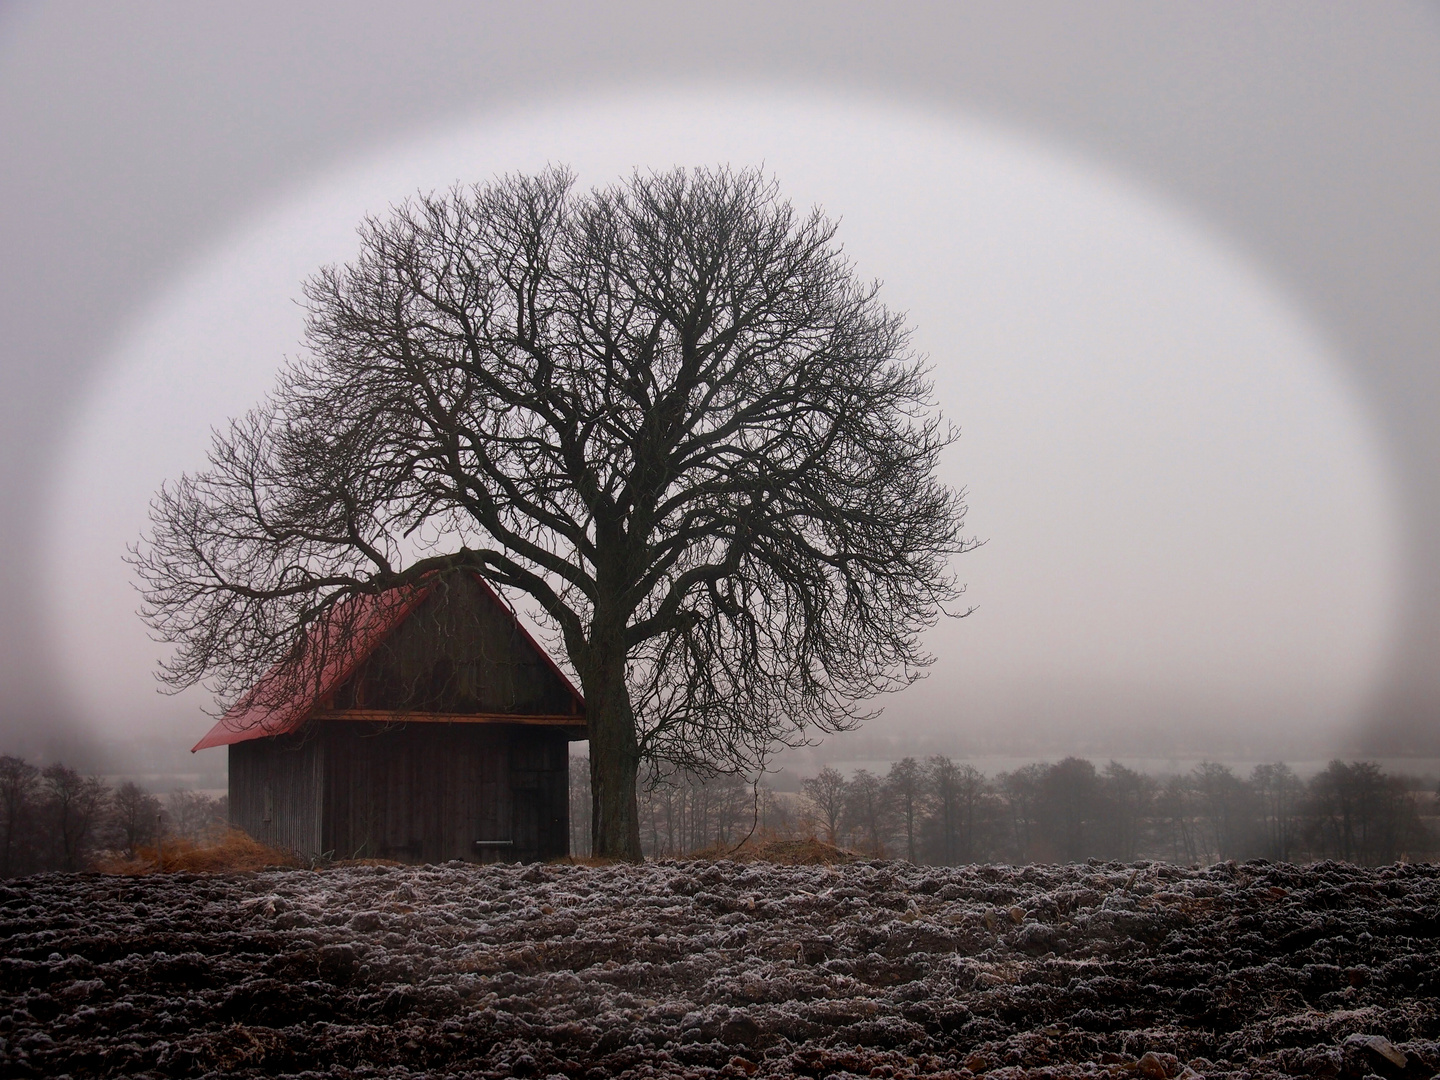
x: 1179, y: 490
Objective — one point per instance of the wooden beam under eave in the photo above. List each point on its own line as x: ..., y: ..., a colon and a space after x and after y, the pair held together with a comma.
x: 391, y: 716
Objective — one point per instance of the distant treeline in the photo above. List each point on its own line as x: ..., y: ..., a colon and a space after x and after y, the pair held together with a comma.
x: 946, y: 812
x: 936, y: 811
x: 55, y: 818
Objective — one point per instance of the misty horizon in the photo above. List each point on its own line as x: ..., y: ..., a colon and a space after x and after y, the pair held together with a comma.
x: 1206, y: 500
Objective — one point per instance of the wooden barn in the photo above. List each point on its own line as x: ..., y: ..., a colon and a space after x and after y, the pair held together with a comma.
x: 443, y: 733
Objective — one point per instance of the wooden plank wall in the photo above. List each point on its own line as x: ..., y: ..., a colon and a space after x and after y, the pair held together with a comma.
x: 427, y: 792
x: 275, y: 791
x: 459, y: 651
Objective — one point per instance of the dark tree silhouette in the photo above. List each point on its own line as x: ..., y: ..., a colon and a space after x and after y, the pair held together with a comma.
x: 1067, y: 806
x: 1278, y: 795
x: 867, y: 811
x: 1222, y: 801
x: 76, y: 806
x: 18, y: 783
x: 905, y: 793
x: 1175, y: 811
x: 134, y: 815
x: 1359, y: 814
x: 1126, y: 801
x: 666, y: 412
x: 956, y: 799
x: 1022, y: 791
x: 827, y: 791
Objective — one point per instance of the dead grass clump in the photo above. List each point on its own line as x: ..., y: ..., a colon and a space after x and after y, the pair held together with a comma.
x: 806, y: 852
x: 230, y: 852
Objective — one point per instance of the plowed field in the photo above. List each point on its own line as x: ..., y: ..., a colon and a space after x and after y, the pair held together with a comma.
x: 722, y: 969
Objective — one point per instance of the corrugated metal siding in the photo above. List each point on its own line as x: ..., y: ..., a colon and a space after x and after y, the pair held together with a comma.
x: 276, y: 791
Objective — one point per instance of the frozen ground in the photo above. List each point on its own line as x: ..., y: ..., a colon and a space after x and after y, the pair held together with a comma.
x: 719, y: 969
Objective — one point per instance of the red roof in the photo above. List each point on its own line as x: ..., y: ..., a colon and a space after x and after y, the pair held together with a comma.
x: 366, y: 620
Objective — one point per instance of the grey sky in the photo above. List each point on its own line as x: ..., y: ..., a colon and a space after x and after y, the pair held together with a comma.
x: 1185, y: 325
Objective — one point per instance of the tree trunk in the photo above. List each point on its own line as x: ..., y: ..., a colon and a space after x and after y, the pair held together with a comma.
x: 614, y: 755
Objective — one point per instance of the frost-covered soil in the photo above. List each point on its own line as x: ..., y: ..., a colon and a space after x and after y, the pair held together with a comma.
x: 720, y: 969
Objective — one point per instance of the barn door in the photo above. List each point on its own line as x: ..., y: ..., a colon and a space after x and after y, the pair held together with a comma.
x: 525, y: 824
x: 490, y: 776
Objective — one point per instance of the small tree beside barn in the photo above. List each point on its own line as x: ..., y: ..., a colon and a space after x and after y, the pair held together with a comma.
x: 438, y: 730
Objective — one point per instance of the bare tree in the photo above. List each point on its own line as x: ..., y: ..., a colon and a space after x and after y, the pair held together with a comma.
x: 193, y: 815
x: 1278, y: 794
x: 1174, y: 809
x: 867, y: 811
x: 666, y: 412
x: 75, y: 806
x: 1066, y: 809
x: 957, y: 794
x: 1022, y: 791
x: 133, y: 814
x: 777, y: 814
x: 1126, y: 802
x: 905, y: 793
x: 826, y: 792
x: 684, y: 811
x: 1361, y: 815
x: 1223, y: 804
x: 18, y: 782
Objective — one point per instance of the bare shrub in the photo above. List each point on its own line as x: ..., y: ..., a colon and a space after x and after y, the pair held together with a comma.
x: 194, y: 816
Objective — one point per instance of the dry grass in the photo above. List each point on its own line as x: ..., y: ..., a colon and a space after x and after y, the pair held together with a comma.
x: 234, y: 851
x: 781, y: 852
x: 230, y: 852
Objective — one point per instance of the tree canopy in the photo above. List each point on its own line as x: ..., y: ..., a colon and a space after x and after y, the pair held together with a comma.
x: 667, y: 412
